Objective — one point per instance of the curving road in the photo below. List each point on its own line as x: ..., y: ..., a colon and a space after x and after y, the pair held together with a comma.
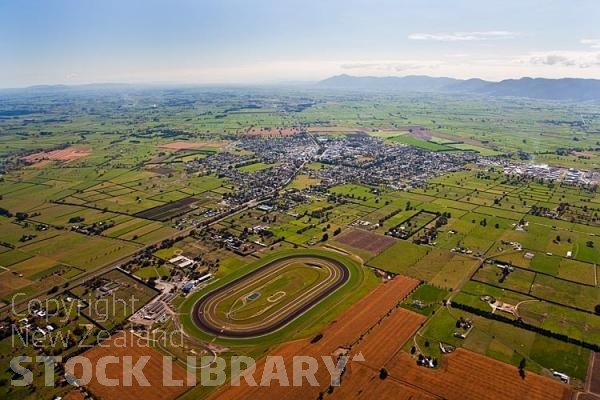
x: 204, y: 313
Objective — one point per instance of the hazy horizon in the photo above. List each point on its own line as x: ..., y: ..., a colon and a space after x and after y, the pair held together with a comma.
x: 283, y: 84
x: 268, y: 42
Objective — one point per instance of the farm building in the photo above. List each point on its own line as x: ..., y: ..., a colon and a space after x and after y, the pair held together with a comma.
x: 191, y: 284
x: 182, y: 261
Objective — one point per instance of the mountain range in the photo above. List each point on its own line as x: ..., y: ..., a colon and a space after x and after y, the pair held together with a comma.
x: 576, y: 89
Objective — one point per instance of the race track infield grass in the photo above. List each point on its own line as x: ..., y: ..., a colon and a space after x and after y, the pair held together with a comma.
x: 249, y: 304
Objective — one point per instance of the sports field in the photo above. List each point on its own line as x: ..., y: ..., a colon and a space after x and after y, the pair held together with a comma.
x: 270, y: 297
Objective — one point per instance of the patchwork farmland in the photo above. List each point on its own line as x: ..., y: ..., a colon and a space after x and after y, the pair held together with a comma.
x: 417, y: 232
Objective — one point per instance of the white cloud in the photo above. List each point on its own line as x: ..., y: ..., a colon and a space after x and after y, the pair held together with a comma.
x: 594, y: 43
x: 72, y: 76
x: 391, y: 66
x: 359, y: 65
x: 577, y: 59
x: 552, y: 64
x: 463, y: 36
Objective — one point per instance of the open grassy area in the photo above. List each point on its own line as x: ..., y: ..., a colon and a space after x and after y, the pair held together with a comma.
x: 412, y: 141
x: 255, y: 167
x: 399, y: 256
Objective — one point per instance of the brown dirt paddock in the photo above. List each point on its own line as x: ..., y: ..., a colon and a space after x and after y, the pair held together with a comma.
x: 368, y: 241
x: 389, y: 336
x: 74, y: 394
x: 185, y: 145
x: 345, y: 330
x: 593, y: 379
x: 464, y: 374
x: 153, y: 370
x: 349, y: 326
x: 161, y: 170
x: 67, y: 155
x: 362, y: 382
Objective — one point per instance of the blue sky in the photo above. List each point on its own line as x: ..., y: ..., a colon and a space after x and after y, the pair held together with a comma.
x: 236, y: 41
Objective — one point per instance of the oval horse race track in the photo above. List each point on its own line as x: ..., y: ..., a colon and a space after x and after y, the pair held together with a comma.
x: 269, y: 297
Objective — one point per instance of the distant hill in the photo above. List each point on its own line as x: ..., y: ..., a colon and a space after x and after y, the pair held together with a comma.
x: 538, y: 88
x: 414, y: 83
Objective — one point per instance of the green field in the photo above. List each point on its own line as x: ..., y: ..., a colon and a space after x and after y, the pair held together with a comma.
x: 427, y: 145
x: 255, y: 167
x: 398, y: 257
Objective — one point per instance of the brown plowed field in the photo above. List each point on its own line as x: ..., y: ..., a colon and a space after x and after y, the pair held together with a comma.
x: 594, y: 378
x: 362, y: 382
x: 467, y: 375
x: 68, y: 154
x: 74, y: 394
x: 348, y: 327
x: 126, y: 344
x: 346, y: 330
x: 371, y: 242
x: 388, y: 337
